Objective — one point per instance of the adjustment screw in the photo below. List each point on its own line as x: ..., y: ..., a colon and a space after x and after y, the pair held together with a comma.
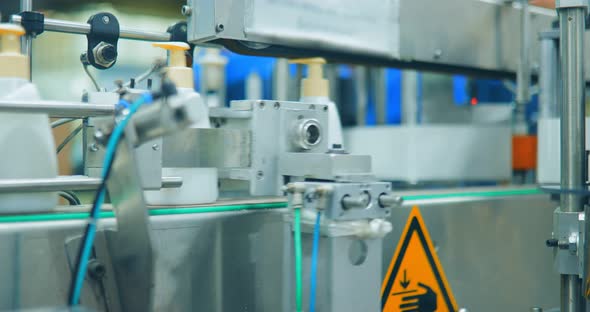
x: 96, y: 269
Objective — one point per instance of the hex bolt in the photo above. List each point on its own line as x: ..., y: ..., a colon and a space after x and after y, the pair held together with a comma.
x: 259, y: 175
x: 277, y: 105
x: 96, y: 269
x: 93, y: 147
x: 106, y: 19
x: 563, y: 245
x: 156, y: 147
x: 438, y: 54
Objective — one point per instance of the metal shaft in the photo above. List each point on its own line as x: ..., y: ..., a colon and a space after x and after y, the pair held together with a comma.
x: 69, y: 183
x: 573, y: 130
x: 523, y: 76
x: 57, y: 108
x: 549, y: 75
x: 27, y: 41
x: 68, y: 27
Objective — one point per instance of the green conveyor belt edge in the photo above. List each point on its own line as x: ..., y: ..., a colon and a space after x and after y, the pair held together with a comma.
x: 64, y: 216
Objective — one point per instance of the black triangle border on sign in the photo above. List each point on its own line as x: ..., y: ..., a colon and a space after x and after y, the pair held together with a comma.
x: 415, y: 226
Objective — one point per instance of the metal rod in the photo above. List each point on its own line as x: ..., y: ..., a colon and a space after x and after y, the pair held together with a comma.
x: 523, y: 75
x: 573, y: 131
x: 379, y: 90
x: 571, y: 298
x: 27, y: 41
x: 549, y: 75
x: 361, y: 88
x: 67, y: 183
x: 68, y: 27
x: 57, y: 108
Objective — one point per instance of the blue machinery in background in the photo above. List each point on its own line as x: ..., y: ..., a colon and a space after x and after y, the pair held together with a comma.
x: 465, y: 91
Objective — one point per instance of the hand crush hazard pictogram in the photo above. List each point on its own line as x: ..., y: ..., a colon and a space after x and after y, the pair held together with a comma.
x: 415, y: 281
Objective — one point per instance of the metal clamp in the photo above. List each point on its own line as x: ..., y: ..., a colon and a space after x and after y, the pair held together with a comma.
x: 32, y: 22
x: 102, y: 40
x: 568, y: 236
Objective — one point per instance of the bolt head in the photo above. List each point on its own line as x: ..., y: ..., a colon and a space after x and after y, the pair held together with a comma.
x: 106, y: 19
x: 186, y: 10
x: 156, y: 147
x: 438, y: 54
x: 96, y: 269
x: 93, y: 147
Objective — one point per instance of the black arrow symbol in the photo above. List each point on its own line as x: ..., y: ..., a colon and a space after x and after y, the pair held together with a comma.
x: 405, y: 282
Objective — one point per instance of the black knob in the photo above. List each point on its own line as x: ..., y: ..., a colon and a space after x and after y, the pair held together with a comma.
x: 552, y: 242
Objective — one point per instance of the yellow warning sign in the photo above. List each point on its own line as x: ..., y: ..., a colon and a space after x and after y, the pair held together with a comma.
x: 415, y: 280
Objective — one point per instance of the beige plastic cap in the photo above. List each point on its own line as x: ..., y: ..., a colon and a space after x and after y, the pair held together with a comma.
x: 315, y: 84
x: 177, y: 70
x: 13, y: 63
x: 10, y: 38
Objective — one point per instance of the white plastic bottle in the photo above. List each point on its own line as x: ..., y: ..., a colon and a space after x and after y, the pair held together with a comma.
x: 199, y: 185
x: 315, y: 89
x: 26, y: 141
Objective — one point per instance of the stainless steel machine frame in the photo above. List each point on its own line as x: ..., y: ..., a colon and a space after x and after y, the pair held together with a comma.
x: 481, y: 42
x: 572, y: 15
x: 485, y: 240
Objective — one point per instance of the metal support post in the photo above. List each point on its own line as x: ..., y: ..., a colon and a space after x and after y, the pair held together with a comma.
x: 360, y: 80
x: 572, y: 16
x: 549, y: 76
x: 27, y: 41
x: 523, y: 75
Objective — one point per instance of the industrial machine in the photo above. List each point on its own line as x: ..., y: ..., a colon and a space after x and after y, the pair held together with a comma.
x: 199, y: 203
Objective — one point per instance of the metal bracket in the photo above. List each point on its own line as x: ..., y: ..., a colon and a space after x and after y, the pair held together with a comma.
x: 33, y: 22
x: 568, y: 240
x: 348, y: 201
x: 102, y: 40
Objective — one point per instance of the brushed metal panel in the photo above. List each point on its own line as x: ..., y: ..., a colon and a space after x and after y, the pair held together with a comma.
x: 492, y: 250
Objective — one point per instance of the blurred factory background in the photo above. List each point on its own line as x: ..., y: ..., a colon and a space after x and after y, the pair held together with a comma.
x: 366, y: 96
